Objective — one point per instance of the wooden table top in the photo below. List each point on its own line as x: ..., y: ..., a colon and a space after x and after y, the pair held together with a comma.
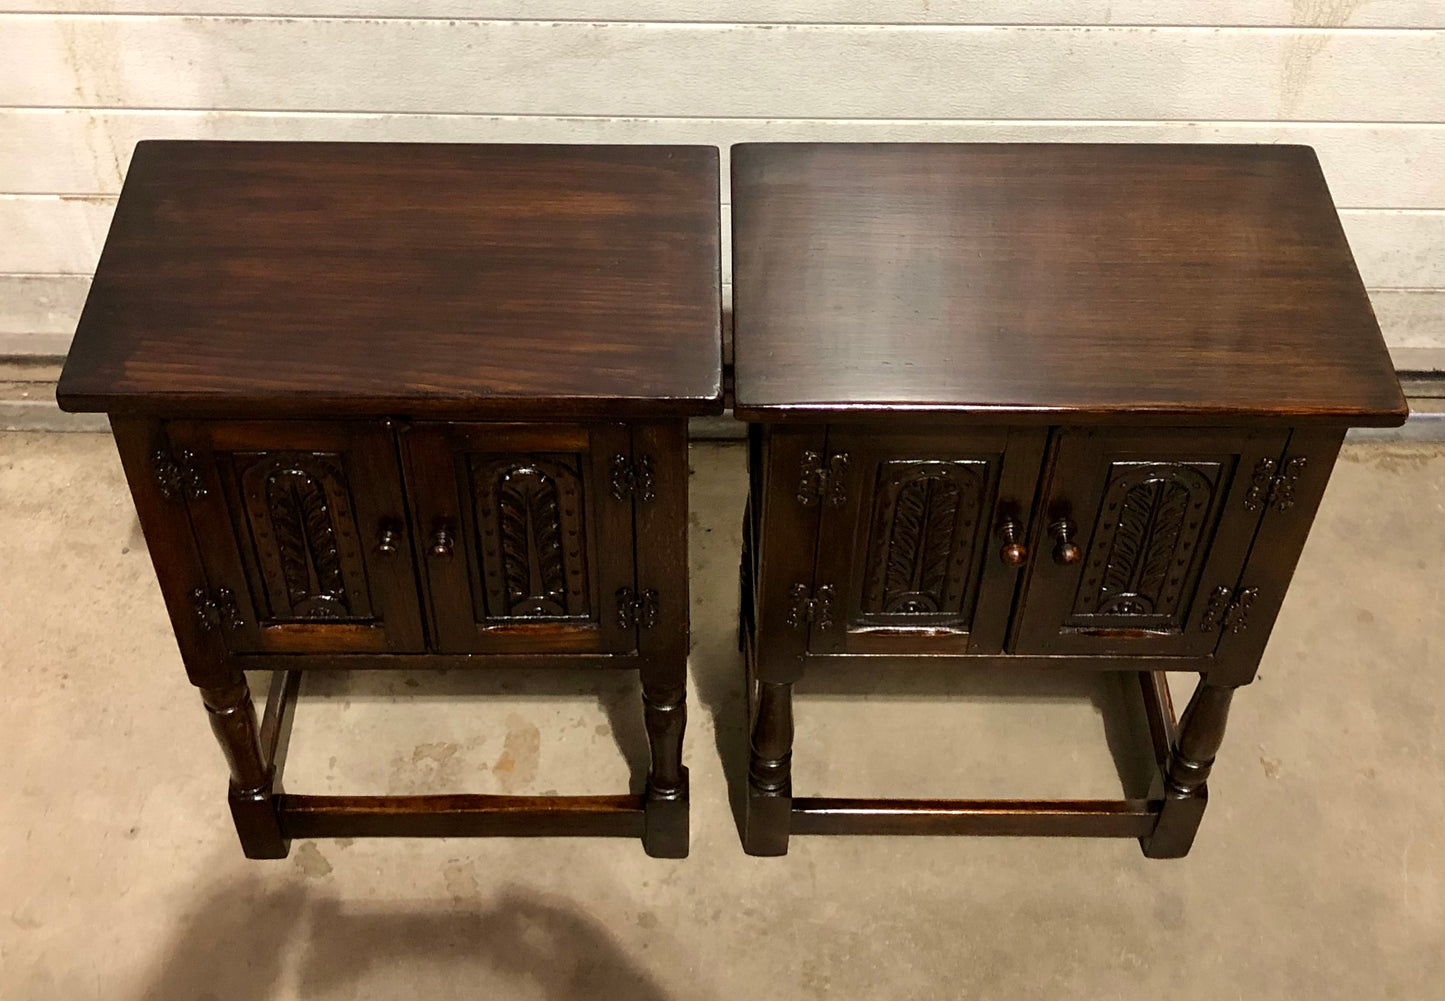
x: 312, y: 279
x: 1052, y: 283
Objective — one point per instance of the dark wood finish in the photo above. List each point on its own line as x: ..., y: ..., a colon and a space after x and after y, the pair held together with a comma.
x: 276, y: 721
x: 539, y: 545
x: 1161, y: 516
x: 1201, y: 731
x: 173, y: 550
x: 912, y: 544
x: 388, y: 406
x: 788, y: 549
x: 1126, y: 818
x: 1070, y: 407
x: 288, y: 516
x: 659, y: 453
x: 233, y: 721
x: 1286, y: 524
x: 770, y: 769
x: 1049, y: 284
x: 458, y: 281
x: 461, y: 816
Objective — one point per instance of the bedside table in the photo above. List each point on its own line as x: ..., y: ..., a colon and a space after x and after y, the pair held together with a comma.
x: 413, y: 406
x: 1058, y: 406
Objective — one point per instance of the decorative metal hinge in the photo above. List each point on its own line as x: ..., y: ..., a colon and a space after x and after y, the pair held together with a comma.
x: 177, y: 475
x: 818, y: 479
x: 632, y: 478
x: 1228, y: 610
x: 1266, y: 488
x: 216, y: 608
x: 815, y: 608
x: 636, y: 608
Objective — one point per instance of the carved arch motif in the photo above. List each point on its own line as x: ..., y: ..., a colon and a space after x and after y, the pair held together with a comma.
x: 533, y: 542
x: 1152, y: 523
x: 299, y: 507
x: 922, y: 542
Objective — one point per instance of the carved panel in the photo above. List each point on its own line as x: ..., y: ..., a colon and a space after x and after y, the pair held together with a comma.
x: 922, y: 542
x: 533, y: 545
x: 300, y: 512
x: 1151, y: 526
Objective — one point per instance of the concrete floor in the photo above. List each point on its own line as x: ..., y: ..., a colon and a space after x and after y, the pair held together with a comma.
x: 1317, y: 874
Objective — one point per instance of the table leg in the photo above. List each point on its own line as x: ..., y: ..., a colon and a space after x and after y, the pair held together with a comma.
x: 1201, y: 731
x: 233, y: 720
x: 664, y: 709
x: 770, y: 764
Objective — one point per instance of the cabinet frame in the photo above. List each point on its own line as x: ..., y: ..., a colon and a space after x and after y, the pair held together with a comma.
x: 1265, y: 498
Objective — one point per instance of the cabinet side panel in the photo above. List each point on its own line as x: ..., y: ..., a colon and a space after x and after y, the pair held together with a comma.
x: 1308, y: 460
x: 172, y: 548
x: 786, y: 549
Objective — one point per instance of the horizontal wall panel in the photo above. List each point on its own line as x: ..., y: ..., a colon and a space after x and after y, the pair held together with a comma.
x: 654, y: 70
x: 42, y: 304
x: 38, y: 315
x: 1377, y: 13
x: 1411, y: 318
x: 1397, y: 249
x: 64, y: 234
x: 52, y: 235
x: 79, y: 151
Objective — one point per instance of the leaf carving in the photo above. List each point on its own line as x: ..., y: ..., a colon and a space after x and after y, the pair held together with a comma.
x: 920, y: 544
x: 937, y: 544
x: 1151, y: 533
x: 531, y: 535
x: 905, y: 540
x: 306, y: 543
x: 1129, y: 537
x: 1172, y: 504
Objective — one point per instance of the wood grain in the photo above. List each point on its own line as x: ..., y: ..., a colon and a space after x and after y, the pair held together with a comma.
x: 1049, y: 284
x: 484, y: 281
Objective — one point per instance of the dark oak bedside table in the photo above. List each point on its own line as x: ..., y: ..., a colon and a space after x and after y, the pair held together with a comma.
x: 402, y: 406
x: 1057, y: 406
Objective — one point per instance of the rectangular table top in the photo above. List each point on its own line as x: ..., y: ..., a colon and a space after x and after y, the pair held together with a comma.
x: 483, y: 281
x: 1056, y: 283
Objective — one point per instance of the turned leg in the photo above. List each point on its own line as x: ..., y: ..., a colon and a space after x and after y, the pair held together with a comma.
x: 233, y: 720
x: 664, y: 710
x: 1201, y: 730
x: 770, y: 763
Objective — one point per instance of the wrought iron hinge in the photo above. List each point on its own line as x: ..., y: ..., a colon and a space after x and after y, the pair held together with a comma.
x: 215, y: 609
x: 1271, y: 489
x: 815, y: 608
x: 636, y: 608
x: 632, y: 478
x: 1228, y: 609
x: 819, y: 478
x: 177, y: 475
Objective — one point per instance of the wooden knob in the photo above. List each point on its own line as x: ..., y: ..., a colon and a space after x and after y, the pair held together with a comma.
x: 1065, y: 552
x: 441, y: 543
x: 1014, y: 553
x: 386, y: 542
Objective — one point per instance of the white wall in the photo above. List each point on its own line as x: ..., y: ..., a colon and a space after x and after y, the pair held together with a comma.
x: 1363, y: 81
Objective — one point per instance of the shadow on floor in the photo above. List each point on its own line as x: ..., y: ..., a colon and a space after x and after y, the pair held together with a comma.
x: 236, y: 942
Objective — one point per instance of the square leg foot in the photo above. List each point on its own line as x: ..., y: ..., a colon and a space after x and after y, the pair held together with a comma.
x: 766, y: 821
x: 1173, y: 836
x: 257, y: 824
x: 665, y: 826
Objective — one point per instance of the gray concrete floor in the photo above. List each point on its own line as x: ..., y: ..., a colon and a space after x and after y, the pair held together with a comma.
x: 1317, y: 874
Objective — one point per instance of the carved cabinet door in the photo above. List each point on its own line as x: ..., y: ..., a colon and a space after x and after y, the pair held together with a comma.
x: 910, y: 534
x: 302, y: 530
x: 525, y: 534
x: 1141, y: 539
